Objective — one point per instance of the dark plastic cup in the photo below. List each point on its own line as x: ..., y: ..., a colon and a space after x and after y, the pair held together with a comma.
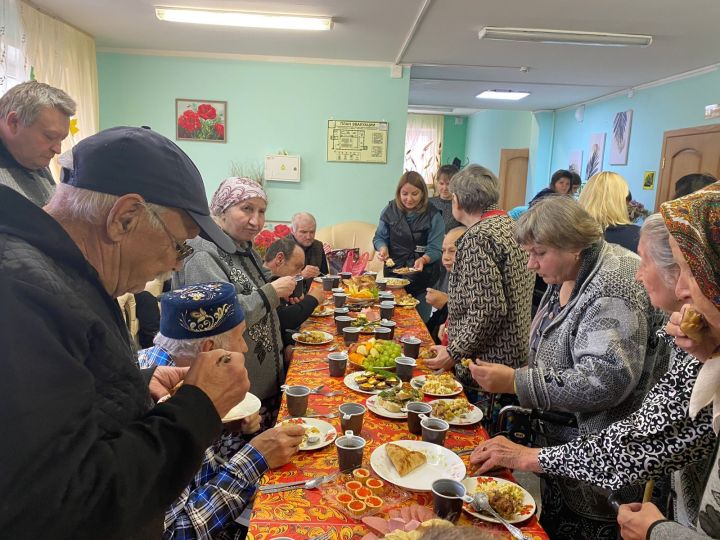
x: 299, y: 287
x: 381, y: 284
x: 350, y: 334
x: 341, y: 311
x: 391, y: 325
x: 297, y: 399
x: 448, y: 498
x: 350, y: 449
x: 387, y: 309
x: 342, y: 322
x: 337, y: 363
x: 404, y: 366
x: 411, y: 346
x: 381, y: 332
x: 351, y: 417
x: 339, y: 299
x: 345, y: 275
x: 434, y: 430
x: 328, y: 283
x: 414, y: 410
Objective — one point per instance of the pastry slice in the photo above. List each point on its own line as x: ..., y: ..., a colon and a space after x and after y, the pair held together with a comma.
x: 389, y: 262
x: 693, y: 324
x: 405, y: 461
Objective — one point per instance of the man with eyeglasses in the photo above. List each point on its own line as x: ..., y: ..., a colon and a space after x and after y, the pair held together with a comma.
x: 86, y: 452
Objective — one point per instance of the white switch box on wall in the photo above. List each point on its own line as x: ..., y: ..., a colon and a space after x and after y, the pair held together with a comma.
x: 282, y: 168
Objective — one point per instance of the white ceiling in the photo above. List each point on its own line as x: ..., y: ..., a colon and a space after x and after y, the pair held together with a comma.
x: 449, y: 64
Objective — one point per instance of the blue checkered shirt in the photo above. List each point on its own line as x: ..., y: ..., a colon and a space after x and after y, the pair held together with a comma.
x: 219, y: 492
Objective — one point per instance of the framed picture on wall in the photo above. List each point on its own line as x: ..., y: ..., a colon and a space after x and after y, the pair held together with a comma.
x: 595, y: 155
x: 201, y: 120
x: 621, y: 138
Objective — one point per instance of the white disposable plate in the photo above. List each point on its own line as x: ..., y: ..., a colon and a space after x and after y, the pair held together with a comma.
x: 249, y: 405
x: 441, y: 463
x: 419, y: 381
x: 397, y: 283
x: 471, y: 417
x: 375, y: 407
x: 352, y: 385
x: 327, y: 338
x: 324, y: 313
x: 528, y: 502
x: 327, y: 432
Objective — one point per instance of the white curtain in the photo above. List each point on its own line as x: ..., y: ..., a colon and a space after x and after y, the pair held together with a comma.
x: 64, y: 57
x: 14, y: 66
x: 423, y: 144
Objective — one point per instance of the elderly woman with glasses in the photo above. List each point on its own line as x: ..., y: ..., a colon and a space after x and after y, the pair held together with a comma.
x: 238, y: 206
x: 593, y: 350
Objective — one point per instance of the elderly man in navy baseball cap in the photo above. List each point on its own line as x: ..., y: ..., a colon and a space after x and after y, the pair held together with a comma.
x: 86, y: 450
x: 204, y: 317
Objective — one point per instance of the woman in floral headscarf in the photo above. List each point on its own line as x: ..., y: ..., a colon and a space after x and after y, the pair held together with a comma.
x: 239, y: 206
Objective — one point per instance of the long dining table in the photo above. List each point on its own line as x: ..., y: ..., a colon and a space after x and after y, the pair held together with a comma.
x: 302, y: 513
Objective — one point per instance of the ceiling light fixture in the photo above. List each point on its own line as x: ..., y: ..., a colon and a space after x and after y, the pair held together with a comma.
x: 536, y: 35
x: 244, y: 19
x: 508, y: 95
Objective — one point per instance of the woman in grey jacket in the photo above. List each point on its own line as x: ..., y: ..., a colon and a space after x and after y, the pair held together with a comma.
x: 239, y: 206
x: 593, y: 350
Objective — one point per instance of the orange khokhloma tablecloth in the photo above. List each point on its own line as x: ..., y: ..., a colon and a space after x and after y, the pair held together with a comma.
x: 303, y: 513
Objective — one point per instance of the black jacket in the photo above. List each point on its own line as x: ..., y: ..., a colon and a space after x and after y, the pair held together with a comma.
x: 83, y: 453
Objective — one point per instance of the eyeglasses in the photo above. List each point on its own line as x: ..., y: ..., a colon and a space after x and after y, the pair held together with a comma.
x: 182, y: 251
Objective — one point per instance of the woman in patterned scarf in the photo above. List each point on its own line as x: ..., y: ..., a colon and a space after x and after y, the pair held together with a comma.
x: 239, y: 206
x: 593, y: 351
x: 661, y: 437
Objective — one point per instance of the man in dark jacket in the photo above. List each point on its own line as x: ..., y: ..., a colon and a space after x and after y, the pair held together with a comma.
x: 34, y: 120
x: 85, y: 453
x: 304, y: 227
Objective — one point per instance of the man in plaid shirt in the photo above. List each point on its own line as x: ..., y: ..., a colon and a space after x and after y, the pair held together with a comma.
x: 198, y: 318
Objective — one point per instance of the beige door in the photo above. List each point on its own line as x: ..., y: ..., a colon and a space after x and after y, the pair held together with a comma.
x: 513, y: 177
x: 686, y: 151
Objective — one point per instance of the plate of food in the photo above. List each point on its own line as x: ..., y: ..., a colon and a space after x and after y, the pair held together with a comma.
x: 371, y: 382
x: 312, y: 337
x: 389, y: 403
x: 456, y: 412
x: 374, y: 353
x: 404, y: 271
x: 366, y: 326
x: 318, y: 434
x: 322, y: 311
x: 415, y: 465
x: 361, y: 494
x: 397, y: 283
x: 508, y: 499
x: 406, y: 301
x: 248, y: 406
x: 437, y: 385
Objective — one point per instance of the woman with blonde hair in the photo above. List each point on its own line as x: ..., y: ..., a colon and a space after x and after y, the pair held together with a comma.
x: 605, y: 198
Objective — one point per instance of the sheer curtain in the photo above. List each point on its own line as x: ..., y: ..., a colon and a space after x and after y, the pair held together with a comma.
x: 64, y: 57
x: 14, y: 66
x: 423, y: 144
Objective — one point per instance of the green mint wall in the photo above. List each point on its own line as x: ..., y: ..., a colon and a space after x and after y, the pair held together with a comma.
x: 271, y: 106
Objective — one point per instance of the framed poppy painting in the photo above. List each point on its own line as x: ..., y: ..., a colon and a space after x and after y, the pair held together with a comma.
x: 201, y: 120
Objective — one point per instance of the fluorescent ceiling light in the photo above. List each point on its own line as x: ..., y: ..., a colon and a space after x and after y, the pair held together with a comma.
x: 508, y: 95
x: 601, y: 39
x: 248, y: 20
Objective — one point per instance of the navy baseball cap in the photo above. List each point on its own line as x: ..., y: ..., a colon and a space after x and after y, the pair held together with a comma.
x: 123, y: 160
x: 200, y: 311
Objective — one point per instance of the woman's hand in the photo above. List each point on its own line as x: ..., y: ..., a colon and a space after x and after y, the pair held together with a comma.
x: 420, y: 263
x: 636, y: 518
x: 442, y: 360
x: 435, y: 298
x: 284, y: 286
x: 703, y: 350
x: 500, y: 452
x: 495, y: 378
x: 382, y: 254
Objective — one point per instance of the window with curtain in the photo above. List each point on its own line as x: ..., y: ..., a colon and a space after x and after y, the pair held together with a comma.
x: 64, y: 57
x: 14, y: 67
x: 423, y: 144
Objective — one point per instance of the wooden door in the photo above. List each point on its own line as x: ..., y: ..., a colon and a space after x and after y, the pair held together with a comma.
x: 686, y: 151
x: 513, y: 177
